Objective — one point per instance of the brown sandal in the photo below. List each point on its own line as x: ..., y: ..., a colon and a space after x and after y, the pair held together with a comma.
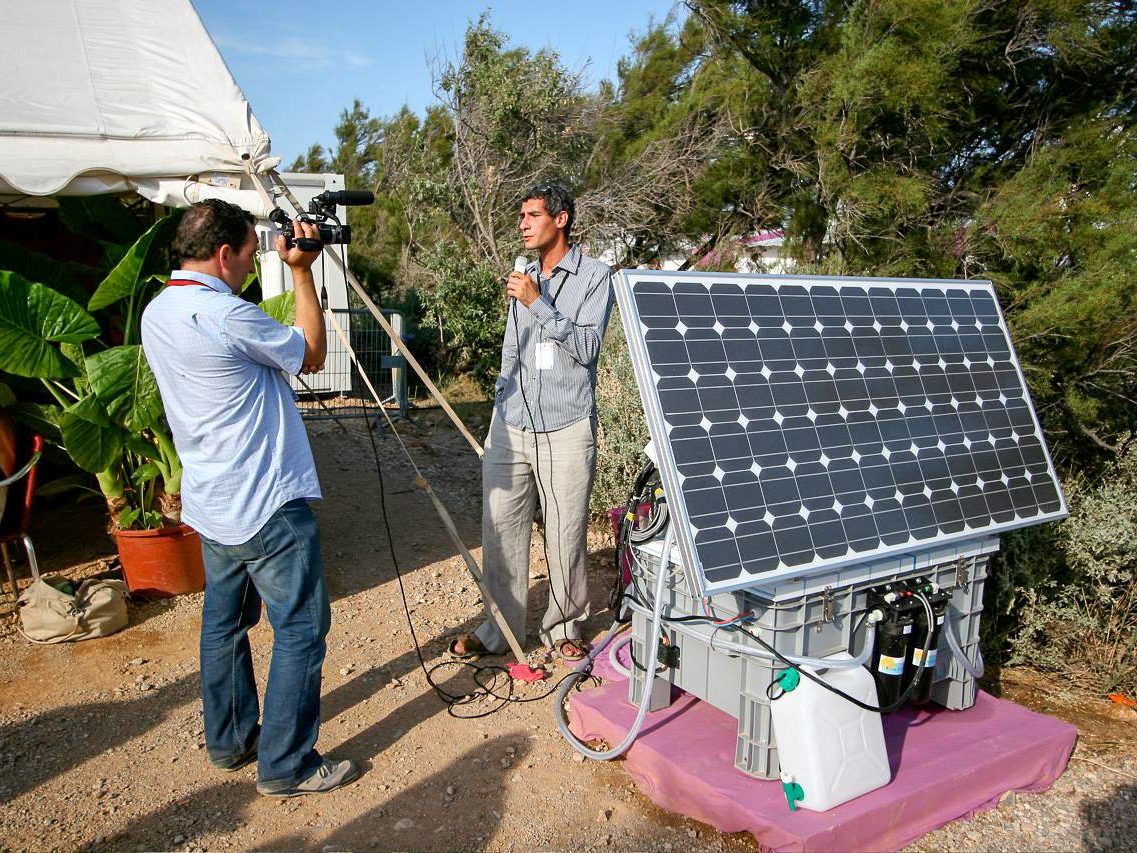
x: 473, y: 647
x: 570, y: 650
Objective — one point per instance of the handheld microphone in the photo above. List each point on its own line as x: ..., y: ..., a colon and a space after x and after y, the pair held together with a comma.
x: 519, y: 265
x: 348, y: 198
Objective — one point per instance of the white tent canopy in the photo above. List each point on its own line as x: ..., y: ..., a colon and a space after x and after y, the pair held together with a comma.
x: 101, y: 96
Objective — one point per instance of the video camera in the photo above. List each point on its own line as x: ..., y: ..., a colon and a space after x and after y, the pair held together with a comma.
x: 321, y: 209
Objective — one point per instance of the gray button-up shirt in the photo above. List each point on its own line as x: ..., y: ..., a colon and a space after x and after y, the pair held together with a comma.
x: 571, y: 314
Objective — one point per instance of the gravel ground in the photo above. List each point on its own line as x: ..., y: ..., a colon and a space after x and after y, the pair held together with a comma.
x: 101, y: 742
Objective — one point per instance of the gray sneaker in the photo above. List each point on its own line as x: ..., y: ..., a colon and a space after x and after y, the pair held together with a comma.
x: 328, y: 776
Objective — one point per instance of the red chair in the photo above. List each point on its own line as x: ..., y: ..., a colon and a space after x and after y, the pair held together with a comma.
x: 17, y: 515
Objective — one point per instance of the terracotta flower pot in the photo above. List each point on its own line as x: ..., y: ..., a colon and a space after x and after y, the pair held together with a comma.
x: 161, y: 563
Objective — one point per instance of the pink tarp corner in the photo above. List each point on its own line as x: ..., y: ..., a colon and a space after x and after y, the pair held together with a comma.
x: 945, y: 765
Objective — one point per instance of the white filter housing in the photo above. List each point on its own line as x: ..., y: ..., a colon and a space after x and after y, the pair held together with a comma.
x: 830, y: 747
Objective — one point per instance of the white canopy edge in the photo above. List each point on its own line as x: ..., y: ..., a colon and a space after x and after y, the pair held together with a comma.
x: 104, y: 96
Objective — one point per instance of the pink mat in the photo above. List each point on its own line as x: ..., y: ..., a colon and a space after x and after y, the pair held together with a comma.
x: 945, y: 765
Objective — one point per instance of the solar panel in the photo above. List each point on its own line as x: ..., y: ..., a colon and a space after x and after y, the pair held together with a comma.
x: 805, y: 424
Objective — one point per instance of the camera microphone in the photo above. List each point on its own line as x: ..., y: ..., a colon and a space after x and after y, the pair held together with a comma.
x: 347, y: 198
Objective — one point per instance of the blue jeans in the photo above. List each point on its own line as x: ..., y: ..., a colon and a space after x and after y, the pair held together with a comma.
x: 281, y: 566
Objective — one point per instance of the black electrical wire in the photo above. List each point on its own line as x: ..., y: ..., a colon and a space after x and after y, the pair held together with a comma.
x: 537, y: 466
x: 637, y: 598
x: 452, y: 701
x: 657, y: 518
x: 886, y: 709
x: 626, y: 532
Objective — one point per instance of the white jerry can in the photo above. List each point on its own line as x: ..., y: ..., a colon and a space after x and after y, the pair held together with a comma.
x: 829, y: 749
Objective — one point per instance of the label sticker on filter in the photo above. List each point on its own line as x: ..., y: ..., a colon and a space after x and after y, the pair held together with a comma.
x: 918, y: 657
x: 890, y: 665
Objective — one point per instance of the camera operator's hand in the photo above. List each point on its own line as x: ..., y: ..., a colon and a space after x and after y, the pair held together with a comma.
x: 309, y: 316
x: 295, y: 257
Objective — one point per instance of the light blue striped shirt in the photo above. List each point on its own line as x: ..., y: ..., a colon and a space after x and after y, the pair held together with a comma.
x: 571, y: 314
x: 218, y: 361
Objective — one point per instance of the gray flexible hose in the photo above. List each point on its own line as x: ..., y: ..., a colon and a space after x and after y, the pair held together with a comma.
x: 652, y: 660
x: 614, y: 656
x: 975, y: 670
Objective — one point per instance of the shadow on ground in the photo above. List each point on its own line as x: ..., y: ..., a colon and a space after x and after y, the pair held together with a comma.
x: 1110, y: 823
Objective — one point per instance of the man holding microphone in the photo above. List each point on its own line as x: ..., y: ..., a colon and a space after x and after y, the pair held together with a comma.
x: 248, y: 475
x: 542, y: 441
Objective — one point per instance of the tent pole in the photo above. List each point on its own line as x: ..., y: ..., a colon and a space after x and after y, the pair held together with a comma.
x: 396, y: 340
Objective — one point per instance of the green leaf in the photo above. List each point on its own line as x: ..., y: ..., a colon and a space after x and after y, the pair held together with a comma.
x: 7, y: 398
x: 100, y: 217
x: 145, y: 473
x: 128, y: 516
x: 92, y: 441
x: 137, y: 444
x: 281, y: 307
x: 32, y: 318
x: 62, y: 485
x: 136, y: 265
x: 74, y: 353
x: 41, y: 418
x: 125, y: 385
x: 61, y: 276
x: 254, y: 274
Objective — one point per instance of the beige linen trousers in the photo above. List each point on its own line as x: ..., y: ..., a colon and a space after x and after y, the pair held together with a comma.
x: 520, y: 468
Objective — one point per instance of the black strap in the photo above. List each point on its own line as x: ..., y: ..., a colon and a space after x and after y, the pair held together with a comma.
x: 557, y: 295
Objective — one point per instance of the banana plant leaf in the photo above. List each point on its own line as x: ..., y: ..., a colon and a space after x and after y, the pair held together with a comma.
x: 125, y: 385
x: 91, y: 439
x: 281, y: 307
x: 137, y: 264
x: 33, y: 317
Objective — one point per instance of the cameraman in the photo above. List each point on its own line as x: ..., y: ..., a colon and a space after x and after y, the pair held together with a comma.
x: 248, y: 475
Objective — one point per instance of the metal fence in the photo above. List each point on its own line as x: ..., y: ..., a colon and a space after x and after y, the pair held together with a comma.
x: 337, y: 390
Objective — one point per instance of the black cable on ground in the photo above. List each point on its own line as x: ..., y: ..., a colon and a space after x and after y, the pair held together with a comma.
x: 453, y: 701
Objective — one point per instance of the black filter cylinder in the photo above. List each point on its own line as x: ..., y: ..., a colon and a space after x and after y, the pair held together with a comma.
x: 890, y: 655
x: 917, y: 664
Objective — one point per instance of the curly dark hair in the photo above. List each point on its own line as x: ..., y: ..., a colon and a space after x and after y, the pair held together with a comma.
x: 209, y: 225
x: 556, y: 199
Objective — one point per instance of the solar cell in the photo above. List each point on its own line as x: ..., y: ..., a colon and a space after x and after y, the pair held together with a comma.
x: 804, y: 424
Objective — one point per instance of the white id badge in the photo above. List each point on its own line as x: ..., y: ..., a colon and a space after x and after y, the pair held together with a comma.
x: 546, y: 355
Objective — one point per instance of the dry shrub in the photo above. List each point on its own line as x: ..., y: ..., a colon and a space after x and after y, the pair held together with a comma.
x: 622, y: 430
x: 1083, y: 619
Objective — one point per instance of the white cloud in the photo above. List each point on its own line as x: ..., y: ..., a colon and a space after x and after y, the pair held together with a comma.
x: 308, y: 54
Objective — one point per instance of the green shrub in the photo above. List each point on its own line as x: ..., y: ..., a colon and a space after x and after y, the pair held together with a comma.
x: 467, y: 305
x: 1082, y: 619
x: 1028, y: 559
x: 622, y: 430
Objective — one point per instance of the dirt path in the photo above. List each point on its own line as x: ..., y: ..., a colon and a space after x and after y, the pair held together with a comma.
x: 101, y: 742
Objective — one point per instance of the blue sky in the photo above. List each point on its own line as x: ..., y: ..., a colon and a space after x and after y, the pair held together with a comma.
x: 300, y: 64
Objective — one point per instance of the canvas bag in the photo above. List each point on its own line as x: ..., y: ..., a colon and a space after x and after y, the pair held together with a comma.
x: 50, y: 615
